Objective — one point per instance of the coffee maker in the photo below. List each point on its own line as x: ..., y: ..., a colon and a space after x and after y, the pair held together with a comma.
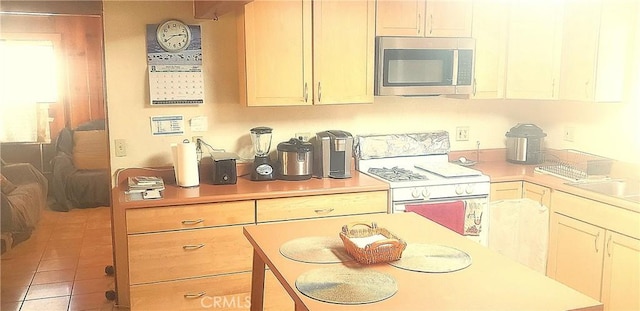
x: 332, y: 153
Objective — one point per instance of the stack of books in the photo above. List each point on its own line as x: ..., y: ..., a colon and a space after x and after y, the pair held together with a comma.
x: 149, y: 187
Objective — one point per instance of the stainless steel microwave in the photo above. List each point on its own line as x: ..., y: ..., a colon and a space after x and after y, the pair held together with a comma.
x: 412, y: 66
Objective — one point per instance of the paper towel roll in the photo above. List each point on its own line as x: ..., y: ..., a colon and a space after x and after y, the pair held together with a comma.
x: 185, y: 164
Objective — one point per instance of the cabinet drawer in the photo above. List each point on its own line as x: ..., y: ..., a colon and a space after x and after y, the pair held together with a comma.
x: 225, y: 292
x: 321, y: 206
x: 189, y: 216
x: 190, y: 253
x: 506, y: 190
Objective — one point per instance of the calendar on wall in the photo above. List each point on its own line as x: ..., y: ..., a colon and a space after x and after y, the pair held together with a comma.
x: 176, y: 85
x: 175, y: 75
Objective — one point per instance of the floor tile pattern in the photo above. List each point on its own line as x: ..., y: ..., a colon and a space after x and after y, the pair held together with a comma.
x: 61, y: 267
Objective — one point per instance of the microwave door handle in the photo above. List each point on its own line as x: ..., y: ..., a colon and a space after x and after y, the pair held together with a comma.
x: 454, y: 80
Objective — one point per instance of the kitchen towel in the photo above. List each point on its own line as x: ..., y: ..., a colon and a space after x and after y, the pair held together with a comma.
x: 519, y: 229
x: 185, y: 164
x: 473, y: 213
x: 449, y: 214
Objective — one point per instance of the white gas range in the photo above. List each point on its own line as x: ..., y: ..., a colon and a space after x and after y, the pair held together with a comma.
x: 422, y: 180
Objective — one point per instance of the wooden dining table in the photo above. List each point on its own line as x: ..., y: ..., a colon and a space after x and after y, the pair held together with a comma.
x: 491, y: 282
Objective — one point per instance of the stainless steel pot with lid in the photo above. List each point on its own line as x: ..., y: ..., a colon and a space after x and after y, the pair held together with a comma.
x: 295, y: 160
x: 525, y: 144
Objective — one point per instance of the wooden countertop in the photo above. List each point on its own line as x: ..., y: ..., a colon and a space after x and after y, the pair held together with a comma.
x: 244, y: 189
x: 492, y: 282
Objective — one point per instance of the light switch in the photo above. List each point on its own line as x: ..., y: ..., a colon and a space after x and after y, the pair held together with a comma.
x: 121, y: 147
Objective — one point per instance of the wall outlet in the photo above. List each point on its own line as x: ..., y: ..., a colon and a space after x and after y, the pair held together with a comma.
x: 569, y: 133
x: 194, y: 139
x: 121, y: 147
x: 303, y: 136
x: 462, y: 133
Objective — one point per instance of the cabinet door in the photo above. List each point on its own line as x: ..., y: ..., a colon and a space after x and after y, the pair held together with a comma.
x: 431, y: 18
x: 505, y: 190
x: 576, y: 253
x: 447, y: 18
x: 276, y: 58
x: 579, y: 48
x: 490, y: 31
x: 343, y: 46
x: 618, y: 29
x: 400, y: 18
x: 533, y: 50
x: 537, y: 193
x: 621, y: 273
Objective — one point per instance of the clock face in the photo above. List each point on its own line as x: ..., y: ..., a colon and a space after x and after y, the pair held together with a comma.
x: 173, y: 36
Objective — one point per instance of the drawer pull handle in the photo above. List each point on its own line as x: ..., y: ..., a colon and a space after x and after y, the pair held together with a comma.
x: 194, y: 296
x: 324, y: 211
x: 192, y: 222
x: 192, y: 247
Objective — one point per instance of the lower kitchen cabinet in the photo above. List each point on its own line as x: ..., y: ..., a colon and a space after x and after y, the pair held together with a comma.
x: 222, y: 292
x: 505, y: 190
x: 192, y: 253
x: 621, y: 273
x: 537, y: 193
x: 321, y: 206
x: 575, y: 254
x: 189, y: 257
x: 518, y: 190
x: 595, y: 249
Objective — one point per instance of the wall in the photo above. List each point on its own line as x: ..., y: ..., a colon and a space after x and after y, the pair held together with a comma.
x: 600, y: 129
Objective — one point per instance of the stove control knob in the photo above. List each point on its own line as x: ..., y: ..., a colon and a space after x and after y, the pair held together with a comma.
x: 415, y: 193
x: 426, y: 193
x: 459, y: 189
x: 469, y: 189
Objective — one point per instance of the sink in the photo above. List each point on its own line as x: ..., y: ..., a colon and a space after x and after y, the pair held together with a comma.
x: 619, y: 188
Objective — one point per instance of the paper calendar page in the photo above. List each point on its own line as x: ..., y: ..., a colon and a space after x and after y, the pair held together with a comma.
x: 176, y: 85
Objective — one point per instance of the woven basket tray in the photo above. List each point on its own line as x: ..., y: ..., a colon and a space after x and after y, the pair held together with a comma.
x: 384, y: 250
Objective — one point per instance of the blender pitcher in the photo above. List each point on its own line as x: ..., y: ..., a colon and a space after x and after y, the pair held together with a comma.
x: 262, y: 168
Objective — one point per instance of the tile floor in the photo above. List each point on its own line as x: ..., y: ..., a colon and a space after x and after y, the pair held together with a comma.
x: 62, y: 265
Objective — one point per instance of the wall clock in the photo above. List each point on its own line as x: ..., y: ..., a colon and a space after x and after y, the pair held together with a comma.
x: 173, y: 35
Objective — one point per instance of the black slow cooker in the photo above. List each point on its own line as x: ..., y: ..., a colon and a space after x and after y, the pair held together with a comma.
x: 525, y: 144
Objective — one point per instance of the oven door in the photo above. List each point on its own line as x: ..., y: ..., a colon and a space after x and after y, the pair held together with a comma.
x: 466, y: 216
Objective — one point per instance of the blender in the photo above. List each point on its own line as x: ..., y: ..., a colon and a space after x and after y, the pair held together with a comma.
x: 262, y: 168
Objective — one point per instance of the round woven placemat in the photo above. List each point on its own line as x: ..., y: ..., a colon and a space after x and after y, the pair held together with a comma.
x: 342, y: 285
x: 432, y: 258
x: 317, y: 249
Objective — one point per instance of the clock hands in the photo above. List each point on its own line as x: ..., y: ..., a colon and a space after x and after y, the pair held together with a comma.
x: 175, y: 35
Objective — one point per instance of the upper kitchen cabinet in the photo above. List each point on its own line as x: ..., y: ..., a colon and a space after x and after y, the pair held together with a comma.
x: 490, y: 31
x: 291, y: 54
x: 597, y: 49
x: 534, y: 50
x: 275, y: 56
x: 212, y: 9
x: 424, y: 18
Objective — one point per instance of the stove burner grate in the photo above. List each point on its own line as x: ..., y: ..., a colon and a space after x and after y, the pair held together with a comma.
x: 396, y: 174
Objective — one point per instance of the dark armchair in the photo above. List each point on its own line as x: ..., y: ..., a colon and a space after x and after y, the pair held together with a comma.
x: 81, y: 176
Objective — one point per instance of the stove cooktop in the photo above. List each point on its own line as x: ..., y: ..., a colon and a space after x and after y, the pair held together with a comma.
x: 396, y: 174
